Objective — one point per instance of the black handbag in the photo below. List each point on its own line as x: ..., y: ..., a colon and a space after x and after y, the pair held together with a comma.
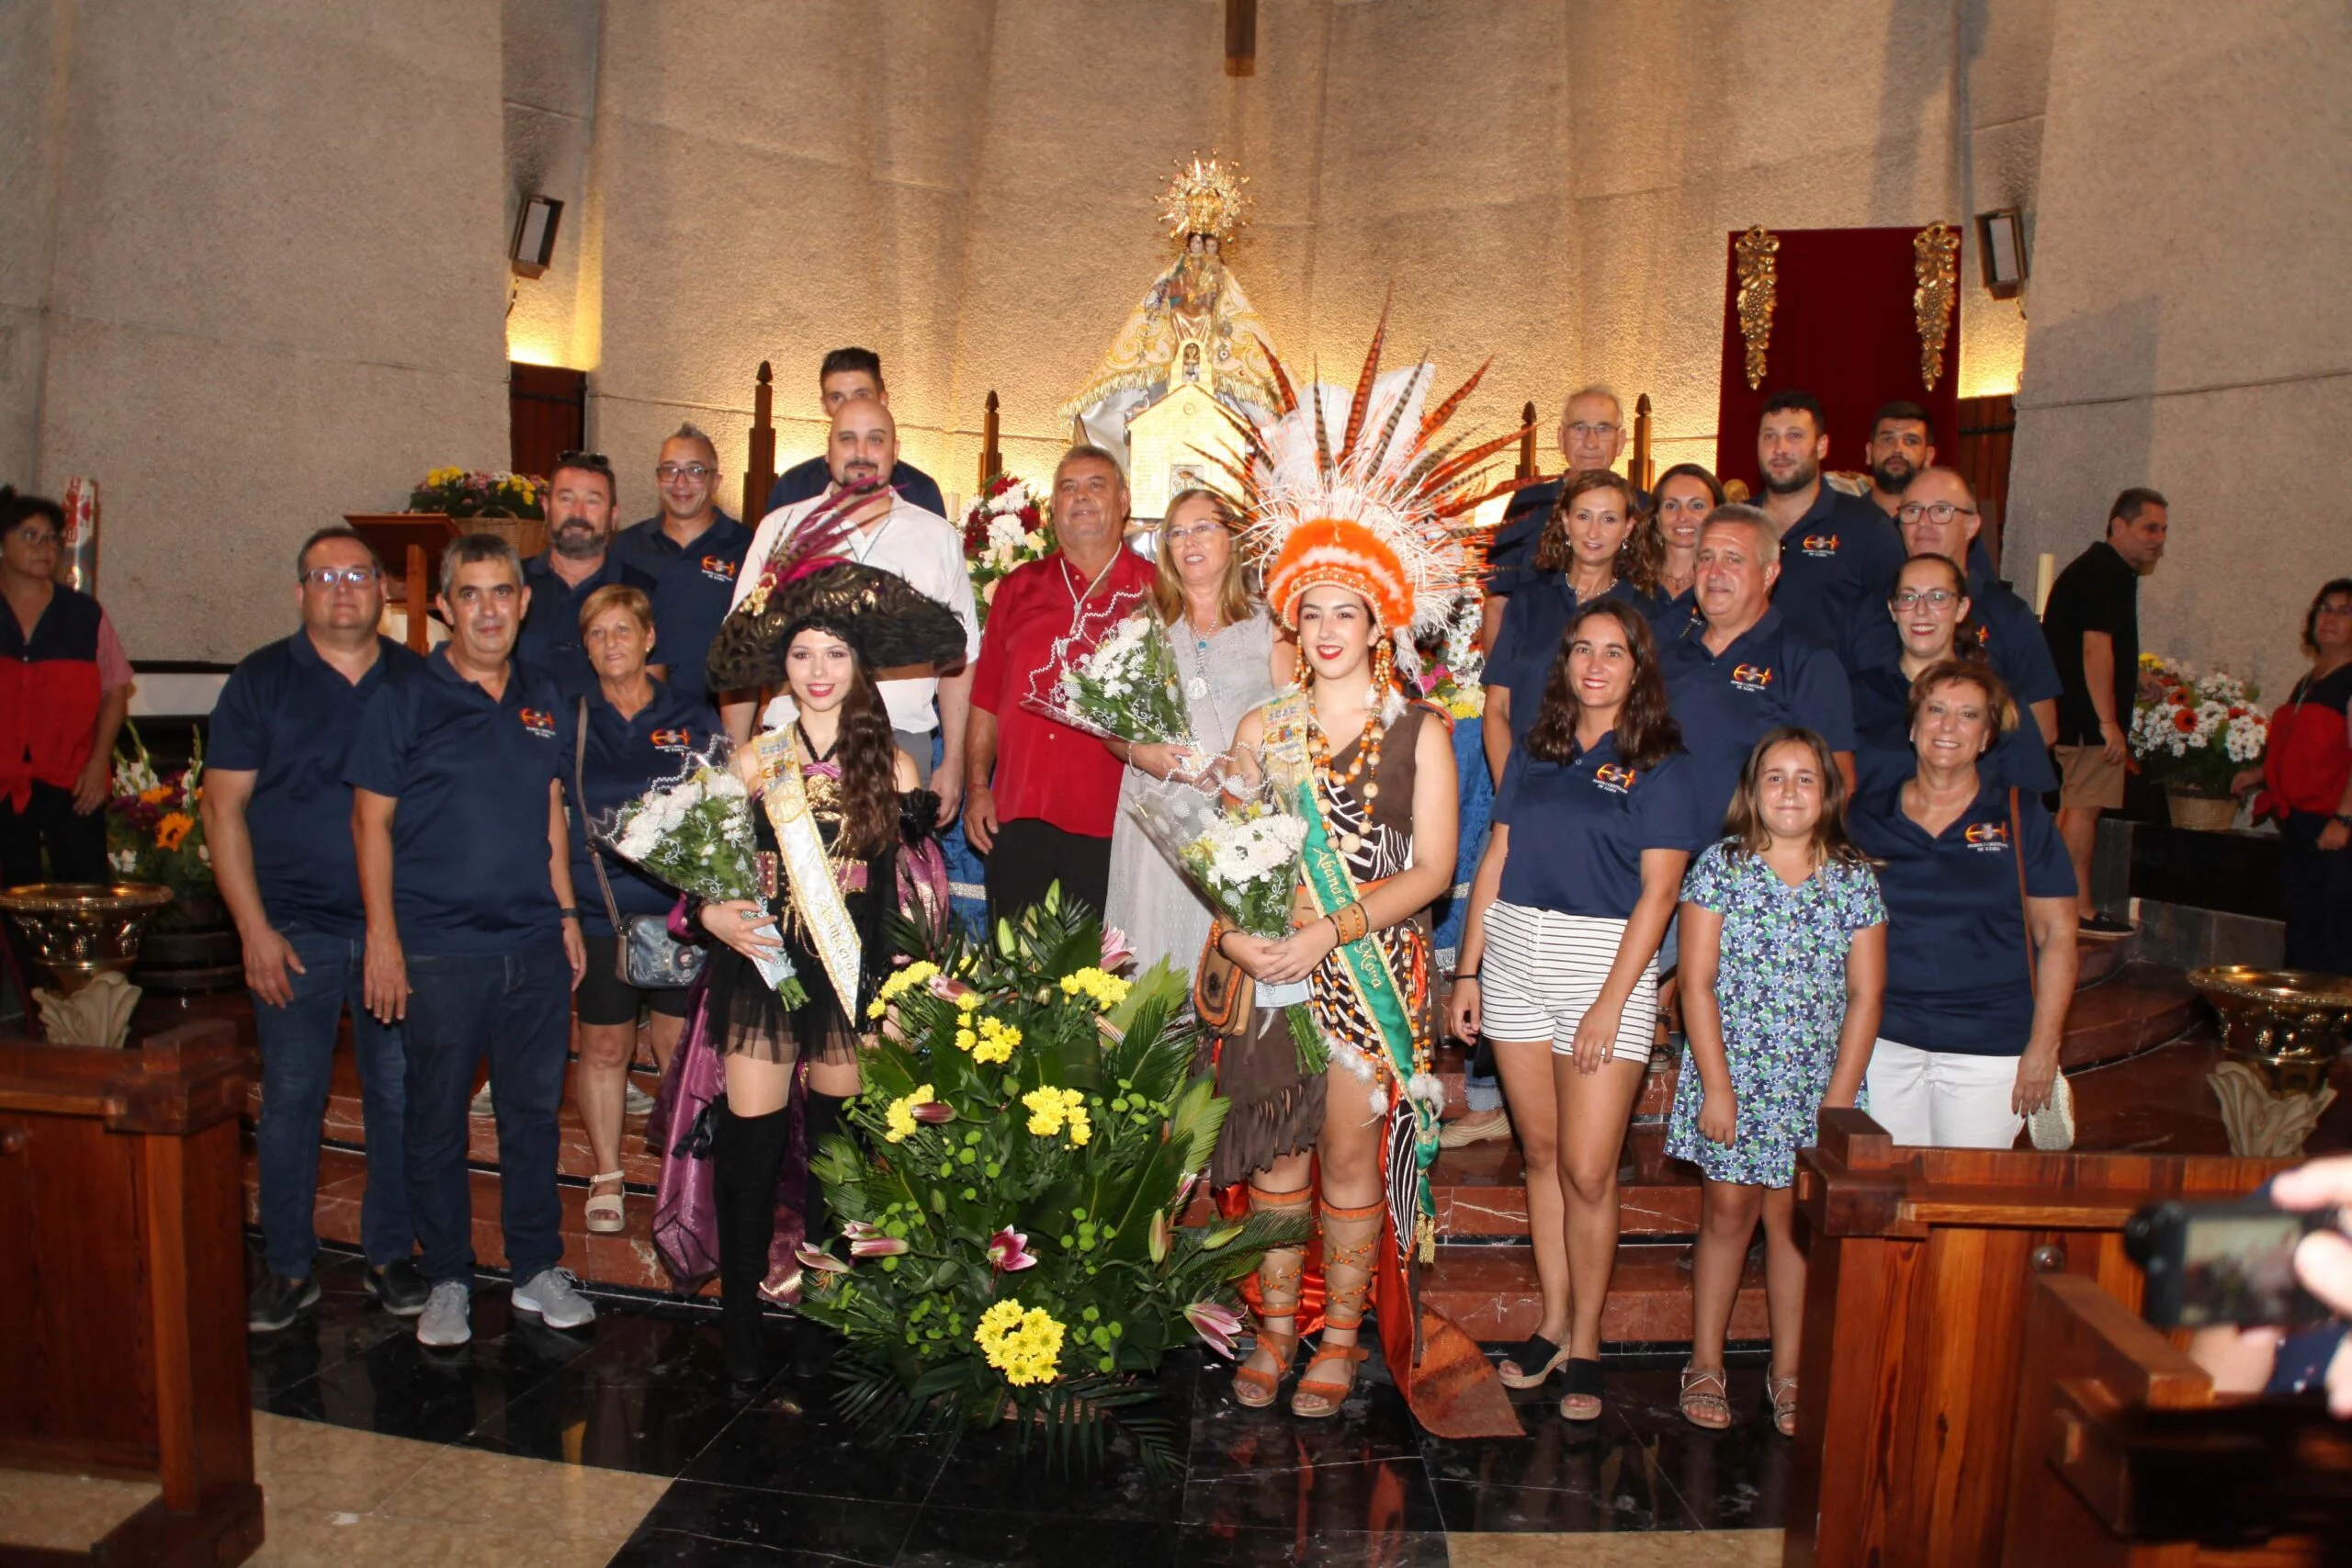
x: 645, y: 955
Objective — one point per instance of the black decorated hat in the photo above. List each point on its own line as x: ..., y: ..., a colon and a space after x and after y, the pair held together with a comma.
x: 807, y: 583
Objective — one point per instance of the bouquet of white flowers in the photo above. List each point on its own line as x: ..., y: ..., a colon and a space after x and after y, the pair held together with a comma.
x: 695, y: 833
x: 1127, y: 688
x: 1242, y: 854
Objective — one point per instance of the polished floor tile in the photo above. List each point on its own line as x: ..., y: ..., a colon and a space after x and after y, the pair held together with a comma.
x: 1661, y: 1549
x: 65, y: 1513
x: 851, y: 1530
x: 967, y: 1537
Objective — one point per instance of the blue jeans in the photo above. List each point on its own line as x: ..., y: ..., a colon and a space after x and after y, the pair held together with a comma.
x: 296, y: 1074
x: 514, y: 1007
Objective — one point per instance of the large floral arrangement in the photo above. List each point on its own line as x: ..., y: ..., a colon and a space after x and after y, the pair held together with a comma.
x: 155, y: 828
x: 2194, y: 732
x: 1035, y: 1128
x: 1005, y: 527
x: 462, y: 492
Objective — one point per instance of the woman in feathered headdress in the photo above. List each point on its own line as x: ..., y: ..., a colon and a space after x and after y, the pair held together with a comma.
x: 843, y: 832
x: 1360, y: 523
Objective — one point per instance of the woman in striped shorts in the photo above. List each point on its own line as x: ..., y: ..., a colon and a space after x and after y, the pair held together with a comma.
x: 1596, y: 816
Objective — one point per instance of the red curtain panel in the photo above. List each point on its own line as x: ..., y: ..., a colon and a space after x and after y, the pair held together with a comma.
x: 1843, y: 329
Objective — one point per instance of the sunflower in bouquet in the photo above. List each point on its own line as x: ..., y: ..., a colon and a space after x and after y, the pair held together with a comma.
x: 1032, y: 1130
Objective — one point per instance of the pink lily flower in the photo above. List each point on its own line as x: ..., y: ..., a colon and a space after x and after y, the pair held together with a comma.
x: 1163, y: 1236
x: 823, y: 1262
x: 1116, y: 954
x: 935, y: 1111
x: 1009, y: 1250
x: 1215, y: 1324
x: 858, y: 1230
x: 878, y: 1247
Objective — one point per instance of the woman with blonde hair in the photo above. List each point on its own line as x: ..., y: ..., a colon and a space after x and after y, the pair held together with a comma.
x: 1230, y: 660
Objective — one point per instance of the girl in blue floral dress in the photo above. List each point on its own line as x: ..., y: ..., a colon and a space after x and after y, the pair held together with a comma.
x: 1784, y: 965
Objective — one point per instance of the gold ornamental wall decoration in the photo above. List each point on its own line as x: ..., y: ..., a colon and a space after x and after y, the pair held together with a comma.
x: 1935, y: 266
x: 1758, y: 280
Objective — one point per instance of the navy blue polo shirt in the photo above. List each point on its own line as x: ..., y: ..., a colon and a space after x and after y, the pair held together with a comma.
x: 1673, y: 614
x: 1837, y: 564
x: 697, y: 583
x: 1772, y: 674
x: 2011, y: 637
x: 1956, y: 942
x: 626, y: 757
x: 804, y: 479
x: 1512, y: 545
x: 288, y: 717
x: 1884, y: 755
x: 1577, y: 829
x: 1528, y: 642
x: 469, y: 838
x: 550, y: 641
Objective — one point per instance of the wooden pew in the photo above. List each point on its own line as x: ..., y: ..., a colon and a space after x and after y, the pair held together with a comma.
x: 1924, y: 1264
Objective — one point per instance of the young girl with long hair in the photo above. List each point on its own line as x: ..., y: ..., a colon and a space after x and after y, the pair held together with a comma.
x: 1596, y: 818
x: 843, y: 833
x: 1783, y: 969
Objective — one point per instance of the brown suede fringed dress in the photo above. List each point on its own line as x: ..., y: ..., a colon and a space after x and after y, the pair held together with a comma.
x: 1277, y: 1109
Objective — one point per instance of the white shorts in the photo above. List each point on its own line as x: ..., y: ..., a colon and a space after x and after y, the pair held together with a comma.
x: 1542, y: 971
x: 1945, y: 1099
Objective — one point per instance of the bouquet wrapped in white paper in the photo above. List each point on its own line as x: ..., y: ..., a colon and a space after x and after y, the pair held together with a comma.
x: 1242, y: 852
x: 694, y: 832
x: 1128, y: 688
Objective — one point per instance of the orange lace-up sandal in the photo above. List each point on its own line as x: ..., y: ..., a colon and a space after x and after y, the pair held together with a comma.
x: 1350, y: 1236
x: 1279, y: 1272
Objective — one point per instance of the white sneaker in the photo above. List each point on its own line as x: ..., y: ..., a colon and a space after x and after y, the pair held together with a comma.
x: 553, y: 1295
x: 447, y: 1318
x: 481, y: 1105
x: 636, y: 1102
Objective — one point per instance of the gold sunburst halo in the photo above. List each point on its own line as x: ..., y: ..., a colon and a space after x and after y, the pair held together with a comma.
x: 1205, y: 197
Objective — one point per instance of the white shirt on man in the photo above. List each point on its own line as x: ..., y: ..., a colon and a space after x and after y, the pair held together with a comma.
x: 910, y: 542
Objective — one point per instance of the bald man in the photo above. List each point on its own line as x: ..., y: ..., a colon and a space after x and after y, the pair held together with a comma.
x: 895, y: 535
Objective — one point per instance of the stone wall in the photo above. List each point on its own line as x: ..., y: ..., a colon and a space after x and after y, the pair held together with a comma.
x: 2189, y: 328
x: 253, y: 279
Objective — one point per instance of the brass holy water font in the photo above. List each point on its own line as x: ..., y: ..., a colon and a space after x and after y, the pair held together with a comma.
x: 2282, y: 1030
x: 86, y: 934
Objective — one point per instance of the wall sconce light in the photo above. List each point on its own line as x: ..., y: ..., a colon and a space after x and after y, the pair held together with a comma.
x: 2000, y: 244
x: 535, y: 226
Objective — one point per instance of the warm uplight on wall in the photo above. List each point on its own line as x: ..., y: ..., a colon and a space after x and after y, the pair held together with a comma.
x: 524, y: 348
x: 2000, y: 246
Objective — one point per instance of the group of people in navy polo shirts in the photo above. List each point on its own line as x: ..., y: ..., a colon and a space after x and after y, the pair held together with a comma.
x: 1870, y: 625
x: 402, y: 837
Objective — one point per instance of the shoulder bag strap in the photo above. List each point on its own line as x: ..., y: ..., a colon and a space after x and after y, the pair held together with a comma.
x: 2025, y: 904
x: 595, y: 855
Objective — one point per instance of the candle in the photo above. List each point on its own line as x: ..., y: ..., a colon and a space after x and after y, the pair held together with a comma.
x: 2045, y: 572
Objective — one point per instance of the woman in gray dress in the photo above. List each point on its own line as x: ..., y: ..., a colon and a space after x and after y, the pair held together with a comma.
x: 1230, y: 661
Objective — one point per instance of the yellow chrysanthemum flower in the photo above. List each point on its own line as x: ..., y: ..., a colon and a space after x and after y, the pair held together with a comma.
x: 1081, y: 1127
x: 968, y: 1002
x: 1024, y: 1344
x: 1046, y: 1114
x: 899, y: 1116
x: 1105, y: 989
x: 994, y: 1043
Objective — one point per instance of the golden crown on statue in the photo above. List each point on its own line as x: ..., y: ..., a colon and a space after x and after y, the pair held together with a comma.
x: 1205, y: 197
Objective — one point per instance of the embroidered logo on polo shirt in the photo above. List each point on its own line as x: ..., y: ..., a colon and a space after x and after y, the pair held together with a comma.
x: 1992, y: 837
x: 718, y: 569
x: 1752, y: 677
x: 538, y: 721
x: 1819, y: 545
x: 670, y: 739
x: 1984, y: 635
x: 1615, y: 777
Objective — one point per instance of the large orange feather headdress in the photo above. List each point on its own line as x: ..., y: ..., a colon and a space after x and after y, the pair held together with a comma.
x: 1356, y: 490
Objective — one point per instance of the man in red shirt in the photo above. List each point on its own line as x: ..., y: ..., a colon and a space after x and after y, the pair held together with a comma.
x: 1040, y: 798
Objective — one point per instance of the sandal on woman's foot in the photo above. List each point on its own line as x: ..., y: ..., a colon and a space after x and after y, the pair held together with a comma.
x: 1584, y: 1383
x: 1780, y: 1400
x: 1706, y: 1401
x: 1256, y: 1389
x: 1533, y: 1362
x: 604, y: 1210
x: 1317, y: 1399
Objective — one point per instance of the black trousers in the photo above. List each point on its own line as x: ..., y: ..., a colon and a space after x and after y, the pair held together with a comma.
x: 1031, y: 856
x: 76, y: 844
x: 2315, y: 885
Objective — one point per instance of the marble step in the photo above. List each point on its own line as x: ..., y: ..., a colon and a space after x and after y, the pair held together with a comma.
x: 1490, y: 1292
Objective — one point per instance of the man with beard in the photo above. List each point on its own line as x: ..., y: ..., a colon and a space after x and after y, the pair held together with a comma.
x: 1040, y: 798
x: 851, y: 375
x: 893, y: 535
x: 1903, y: 444
x: 473, y: 940
x: 1591, y: 435
x: 582, y: 496
x: 1839, y: 557
x: 693, y: 549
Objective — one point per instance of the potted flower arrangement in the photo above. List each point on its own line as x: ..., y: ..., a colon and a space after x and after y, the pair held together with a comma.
x: 2191, y: 733
x: 155, y: 833
x: 1004, y: 527
x: 1034, y: 1129
x: 461, y: 492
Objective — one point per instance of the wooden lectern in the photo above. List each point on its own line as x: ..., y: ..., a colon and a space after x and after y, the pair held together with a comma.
x: 1924, y: 1269
x: 122, y: 1323
x: 409, y: 546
